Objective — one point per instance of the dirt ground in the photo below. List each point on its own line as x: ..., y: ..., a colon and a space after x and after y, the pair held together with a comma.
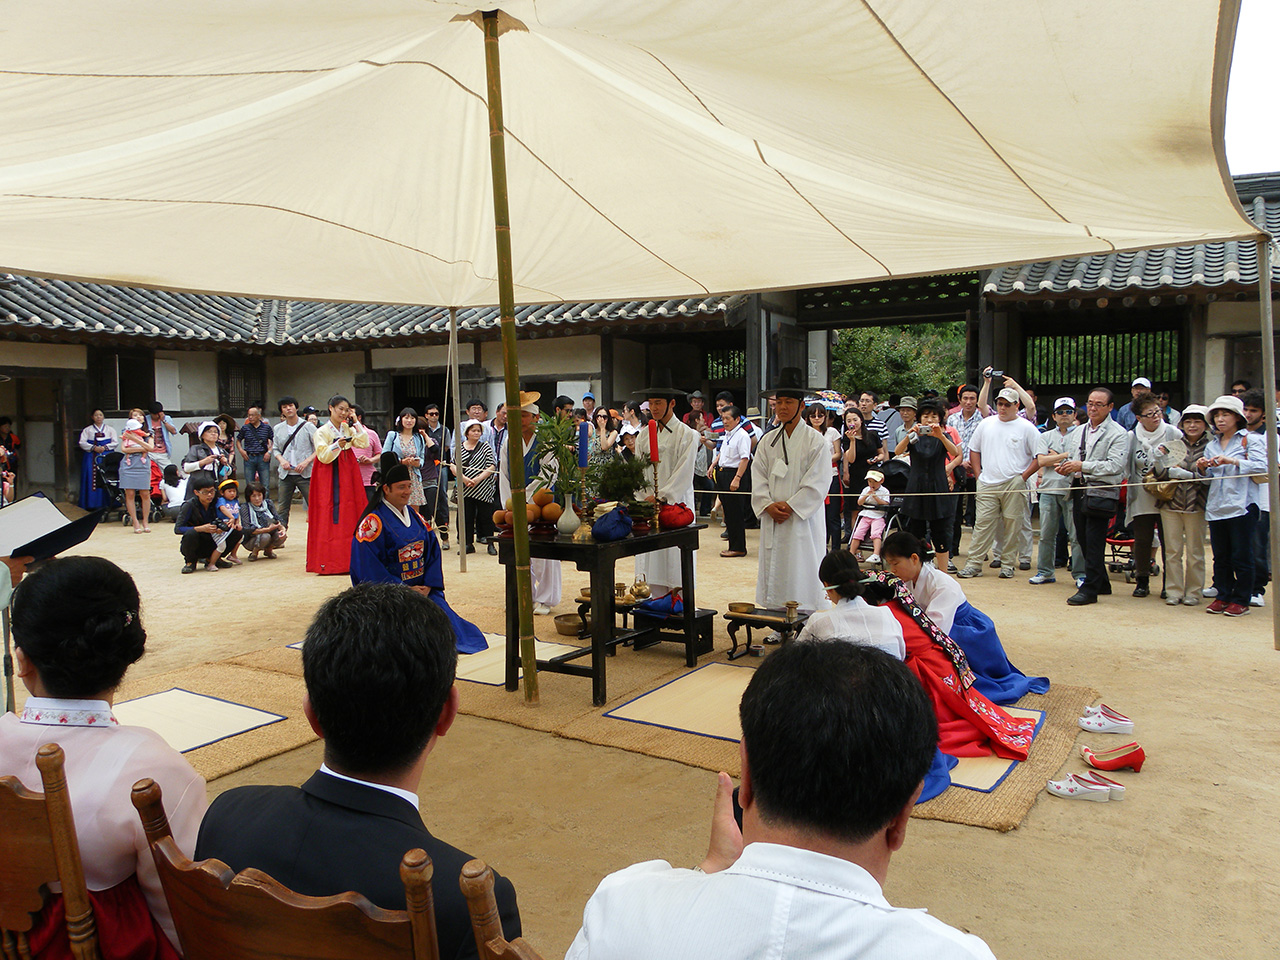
x: 1185, y: 864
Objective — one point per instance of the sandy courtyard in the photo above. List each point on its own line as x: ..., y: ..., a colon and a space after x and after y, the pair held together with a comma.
x: 1185, y: 865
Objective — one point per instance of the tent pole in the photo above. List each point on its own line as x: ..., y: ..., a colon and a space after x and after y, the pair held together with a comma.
x: 510, y: 364
x: 1268, y: 385
x: 457, y: 436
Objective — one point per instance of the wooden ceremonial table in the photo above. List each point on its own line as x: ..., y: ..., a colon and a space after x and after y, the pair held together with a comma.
x: 599, y: 559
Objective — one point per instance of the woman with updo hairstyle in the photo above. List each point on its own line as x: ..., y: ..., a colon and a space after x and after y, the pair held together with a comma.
x: 878, y: 610
x: 77, y: 629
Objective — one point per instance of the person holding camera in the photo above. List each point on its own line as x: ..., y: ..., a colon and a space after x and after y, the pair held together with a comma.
x: 1099, y: 457
x: 337, y: 490
x: 929, y: 512
x: 200, y: 526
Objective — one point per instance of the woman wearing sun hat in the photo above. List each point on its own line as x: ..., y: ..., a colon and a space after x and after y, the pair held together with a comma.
x: 1228, y: 460
x: 1183, y: 514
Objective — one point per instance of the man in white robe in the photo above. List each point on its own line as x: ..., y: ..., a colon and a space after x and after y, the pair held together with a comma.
x: 790, y: 477
x: 677, y: 454
x: 544, y: 574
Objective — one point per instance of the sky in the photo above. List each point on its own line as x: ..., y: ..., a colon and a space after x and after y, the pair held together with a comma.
x: 1253, y: 134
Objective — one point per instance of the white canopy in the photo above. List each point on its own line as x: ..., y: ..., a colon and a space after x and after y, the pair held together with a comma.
x: 338, y: 150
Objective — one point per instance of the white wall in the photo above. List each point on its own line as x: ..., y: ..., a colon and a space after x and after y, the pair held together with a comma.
x: 313, y: 378
x: 1233, y: 318
x: 560, y: 358
x: 197, y: 377
x: 819, y: 354
x: 391, y: 358
x: 65, y: 355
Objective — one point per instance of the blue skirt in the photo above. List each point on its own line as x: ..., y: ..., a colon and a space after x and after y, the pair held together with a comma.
x: 93, y: 495
x: 468, y: 637
x: 995, y: 677
x: 939, y: 776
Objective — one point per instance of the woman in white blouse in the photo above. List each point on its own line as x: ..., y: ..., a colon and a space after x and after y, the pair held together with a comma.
x: 77, y: 629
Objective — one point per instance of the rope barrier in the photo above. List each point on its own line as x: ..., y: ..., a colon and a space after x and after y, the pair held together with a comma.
x: 956, y: 493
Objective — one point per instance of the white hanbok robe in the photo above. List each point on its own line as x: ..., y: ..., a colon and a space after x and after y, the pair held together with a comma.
x: 795, y: 469
x: 939, y: 595
x: 856, y: 621
x: 677, y: 454
x: 544, y: 574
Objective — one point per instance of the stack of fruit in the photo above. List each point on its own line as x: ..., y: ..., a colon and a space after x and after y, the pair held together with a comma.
x: 542, y: 511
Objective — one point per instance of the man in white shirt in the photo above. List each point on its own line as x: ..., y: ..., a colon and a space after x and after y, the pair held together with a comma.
x: 836, y: 740
x: 1003, y: 454
x: 733, y: 479
x: 544, y: 574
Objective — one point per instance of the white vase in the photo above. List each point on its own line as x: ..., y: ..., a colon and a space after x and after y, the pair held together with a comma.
x: 568, y: 522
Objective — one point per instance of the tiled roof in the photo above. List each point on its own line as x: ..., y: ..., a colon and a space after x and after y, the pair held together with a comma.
x: 67, y: 308
x: 1206, y: 265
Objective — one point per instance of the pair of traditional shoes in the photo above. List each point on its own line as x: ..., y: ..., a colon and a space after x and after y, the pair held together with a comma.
x: 1102, y: 719
x: 1087, y: 786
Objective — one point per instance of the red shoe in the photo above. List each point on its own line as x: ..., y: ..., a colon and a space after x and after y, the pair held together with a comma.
x: 1130, y: 755
x: 1236, y: 610
x: 1216, y: 607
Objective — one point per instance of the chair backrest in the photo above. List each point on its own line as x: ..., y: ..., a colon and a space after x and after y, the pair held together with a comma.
x: 477, y: 886
x: 248, y: 915
x: 38, y: 846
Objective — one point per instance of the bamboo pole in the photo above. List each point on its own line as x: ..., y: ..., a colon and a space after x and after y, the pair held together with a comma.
x: 510, y: 364
x: 458, y: 485
x: 1268, y: 385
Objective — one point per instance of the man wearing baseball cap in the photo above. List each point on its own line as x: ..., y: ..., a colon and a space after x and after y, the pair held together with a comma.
x: 1056, y: 445
x: 1003, y: 457
x: 1125, y: 416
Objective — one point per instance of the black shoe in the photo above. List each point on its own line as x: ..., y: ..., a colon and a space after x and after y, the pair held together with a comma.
x: 1142, y: 590
x: 995, y: 564
x: 725, y: 535
x: 471, y: 548
x: 1024, y: 564
x: 188, y: 568
x: 1081, y: 598
x: 493, y: 550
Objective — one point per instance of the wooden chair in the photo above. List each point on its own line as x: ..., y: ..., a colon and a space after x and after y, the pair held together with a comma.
x: 248, y: 915
x: 477, y: 886
x: 38, y: 846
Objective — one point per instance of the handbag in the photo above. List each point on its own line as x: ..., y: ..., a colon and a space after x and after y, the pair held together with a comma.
x: 1162, y: 490
x: 672, y: 516
x: 1101, y: 502
x: 614, y: 525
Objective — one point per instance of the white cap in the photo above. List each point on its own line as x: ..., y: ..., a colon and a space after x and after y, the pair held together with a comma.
x: 1197, y: 409
x: 466, y: 425
x: 1141, y: 382
x: 1064, y: 402
x: 132, y: 424
x: 628, y: 428
x: 1010, y: 394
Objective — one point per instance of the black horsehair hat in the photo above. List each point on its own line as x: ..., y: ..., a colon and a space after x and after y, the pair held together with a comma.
x: 391, y: 470
x: 790, y: 383
x: 662, y: 386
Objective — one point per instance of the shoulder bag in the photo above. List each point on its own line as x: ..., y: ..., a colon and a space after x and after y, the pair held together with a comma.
x: 1100, y: 502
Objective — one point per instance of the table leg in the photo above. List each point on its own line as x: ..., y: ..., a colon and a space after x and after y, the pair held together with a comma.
x: 601, y: 627
x: 690, y: 607
x: 513, y: 629
x: 733, y: 639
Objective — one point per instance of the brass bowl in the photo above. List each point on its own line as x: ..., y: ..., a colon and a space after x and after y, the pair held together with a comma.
x: 586, y: 593
x: 741, y: 607
x: 568, y: 624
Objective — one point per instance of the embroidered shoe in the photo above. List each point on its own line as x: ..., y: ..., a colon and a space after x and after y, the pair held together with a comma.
x: 1072, y: 788
x: 1104, y: 723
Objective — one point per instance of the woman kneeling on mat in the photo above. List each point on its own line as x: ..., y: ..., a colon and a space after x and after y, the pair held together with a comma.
x: 392, y: 545
x: 944, y: 602
x: 969, y: 724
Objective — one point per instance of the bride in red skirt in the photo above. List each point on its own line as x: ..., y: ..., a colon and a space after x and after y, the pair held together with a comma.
x: 878, y: 609
x: 337, y: 495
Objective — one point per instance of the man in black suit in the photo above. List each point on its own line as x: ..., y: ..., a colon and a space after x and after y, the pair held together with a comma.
x: 379, y: 663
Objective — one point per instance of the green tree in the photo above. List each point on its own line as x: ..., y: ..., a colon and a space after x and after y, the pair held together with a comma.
x: 899, y: 359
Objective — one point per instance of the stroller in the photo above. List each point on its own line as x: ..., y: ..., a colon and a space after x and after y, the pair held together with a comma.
x: 896, y: 473
x: 1120, y: 545
x: 108, y: 472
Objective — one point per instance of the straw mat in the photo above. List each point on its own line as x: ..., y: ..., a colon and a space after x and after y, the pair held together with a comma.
x: 1005, y: 807
x: 275, y: 693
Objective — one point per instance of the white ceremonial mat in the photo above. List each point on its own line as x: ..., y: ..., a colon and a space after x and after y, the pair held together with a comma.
x: 703, y: 701
x: 489, y: 666
x: 189, y: 720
